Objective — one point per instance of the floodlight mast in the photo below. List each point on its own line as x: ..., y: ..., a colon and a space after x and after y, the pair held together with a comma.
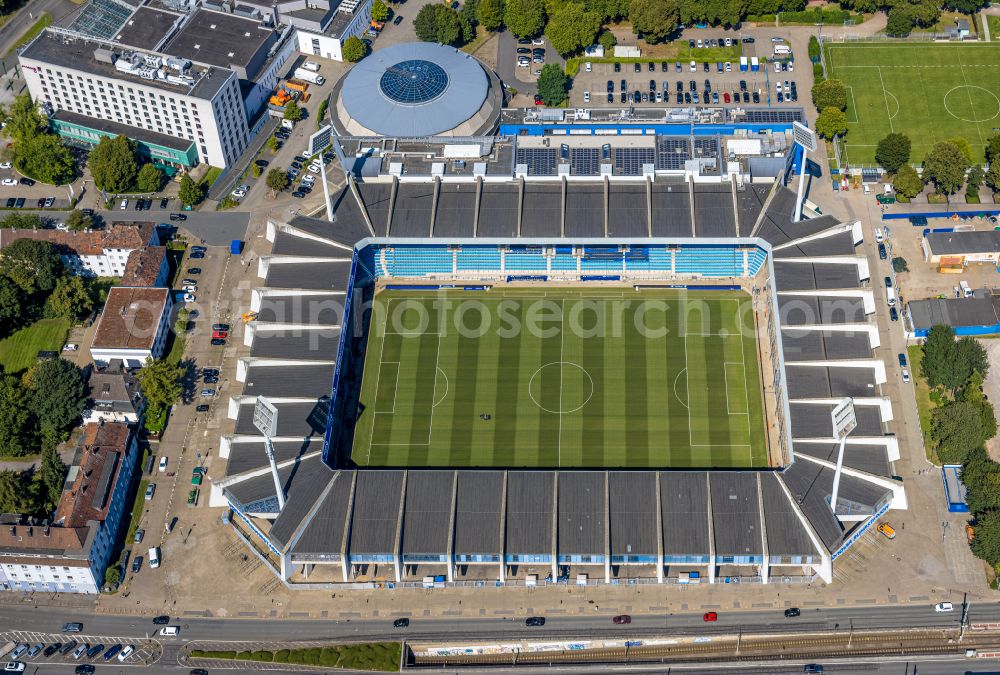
x: 805, y: 138
x: 265, y: 418
x: 844, y: 422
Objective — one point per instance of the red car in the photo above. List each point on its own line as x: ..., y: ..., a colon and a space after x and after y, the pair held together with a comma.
x: 538, y: 99
x: 622, y: 619
x: 220, y: 334
x: 710, y: 616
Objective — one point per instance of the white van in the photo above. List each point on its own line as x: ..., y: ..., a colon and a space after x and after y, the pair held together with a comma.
x: 782, y: 50
x: 154, y: 557
x: 311, y: 65
x: 170, y: 631
x: 890, y: 296
x: 966, y: 289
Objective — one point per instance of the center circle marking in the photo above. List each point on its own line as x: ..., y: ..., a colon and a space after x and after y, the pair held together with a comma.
x: 972, y: 96
x: 563, y: 404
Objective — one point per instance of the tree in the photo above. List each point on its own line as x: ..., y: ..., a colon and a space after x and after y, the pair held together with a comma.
x: 571, y: 28
x: 814, y: 50
x: 353, y: 50
x: 524, y: 18
x: 607, y: 40
x: 189, y: 192
x: 468, y: 21
x: 610, y: 11
x: 277, y: 180
x: 14, y: 492
x: 425, y: 24
x: 113, y: 164
x: 380, y: 11
x: 992, y: 177
x: 965, y: 6
x: 77, y: 221
x: 831, y: 122
x: 655, y: 20
x: 899, y: 23
x: 893, y: 151
x: 15, y: 220
x: 552, y: 84
x: 69, y: 299
x: 23, y: 119
x: 45, y: 158
x: 830, y: 94
x: 273, y: 144
x: 112, y: 576
x: 51, y: 473
x: 963, y: 145
x: 974, y: 180
x: 293, y: 112
x: 992, y: 148
x: 32, y: 265
x: 938, y: 350
x: 489, y: 13
x: 55, y: 393
x: 11, y: 310
x: 899, y: 265
x: 161, y: 383
x: 16, y: 430
x: 437, y: 22
x: 958, y: 429
x: 150, y: 179
x: 945, y: 165
x: 986, y: 545
x: 907, y: 182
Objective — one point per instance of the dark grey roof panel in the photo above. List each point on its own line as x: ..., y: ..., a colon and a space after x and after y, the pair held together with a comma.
x: 684, y: 508
x: 780, y: 231
x: 781, y: 208
x: 411, y: 215
x: 456, y: 210
x: 376, y: 197
x: 325, y: 309
x: 376, y: 512
x: 304, y: 486
x: 750, y: 202
x: 671, y: 210
x: 248, y: 456
x: 811, y: 497
x: 820, y: 382
x: 542, y: 210
x: 786, y: 535
x: 811, y: 345
x: 800, y: 276
x: 313, y: 276
x: 582, y: 513
x: 855, y: 496
x: 841, y: 243
x: 956, y: 312
x: 632, y: 505
x: 350, y: 226
x: 477, y: 512
x: 812, y: 420
x: 713, y: 211
x: 735, y: 513
x: 427, y: 514
x: 800, y: 310
x: 324, y: 534
x: 498, y: 211
x: 584, y: 210
x: 307, y: 380
x: 301, y: 419
x: 286, y: 243
x: 529, y: 512
x: 296, y: 344
x: 963, y: 243
x: 868, y: 458
x: 627, y: 210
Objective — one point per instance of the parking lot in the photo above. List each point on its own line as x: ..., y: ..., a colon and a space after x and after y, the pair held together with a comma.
x: 686, y: 83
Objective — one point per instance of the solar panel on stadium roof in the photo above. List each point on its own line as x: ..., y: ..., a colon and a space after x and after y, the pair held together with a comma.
x: 671, y: 153
x: 773, y: 116
x: 102, y: 18
x: 540, y: 161
x: 585, y: 161
x: 629, y: 161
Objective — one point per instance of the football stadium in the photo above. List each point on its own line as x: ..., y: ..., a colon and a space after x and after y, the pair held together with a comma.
x: 526, y: 360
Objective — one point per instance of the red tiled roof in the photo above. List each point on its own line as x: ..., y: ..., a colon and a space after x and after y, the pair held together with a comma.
x: 102, y: 452
x: 143, y: 266
x: 116, y: 235
x: 131, y: 318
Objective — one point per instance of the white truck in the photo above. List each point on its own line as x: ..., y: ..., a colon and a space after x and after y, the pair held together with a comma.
x: 308, y: 76
x: 966, y: 289
x: 890, y: 296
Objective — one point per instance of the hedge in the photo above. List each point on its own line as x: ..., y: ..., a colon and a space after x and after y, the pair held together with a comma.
x: 828, y: 15
x: 377, y: 656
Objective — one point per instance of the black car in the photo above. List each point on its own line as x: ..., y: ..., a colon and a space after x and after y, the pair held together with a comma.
x: 178, y: 216
x: 708, y: 85
x: 398, y: 20
x: 535, y: 621
x: 95, y: 650
x: 19, y: 203
x: 756, y: 97
x: 84, y: 669
x: 211, y: 371
x: 136, y: 564
x: 611, y: 86
x: 652, y: 85
x: 68, y: 647
x: 748, y: 40
x: 893, y: 314
x: 746, y: 97
x: 690, y: 44
x: 792, y: 612
x: 161, y: 620
x: 74, y: 627
x: 652, y: 67
x: 638, y: 67
x: 194, y: 270
x: 680, y: 86
x: 781, y: 99
x: 10, y: 202
x: 618, y: 67
x: 664, y: 66
x: 26, y: 181
x: 524, y: 41
x: 52, y: 649
x: 262, y: 163
x: 41, y: 203
x: 198, y: 671
x: 520, y: 50
x: 87, y: 212
x: 198, y: 255
x: 298, y: 194
x: 112, y: 651
x: 706, y: 66
x: 882, y: 255
x: 218, y: 342
x: 611, y: 97
x: 680, y: 98
x: 139, y: 204
x: 687, y: 97
x: 202, y: 408
x: 623, y: 98
x: 743, y: 85
x: 401, y: 623
x: 164, y: 202
x: 902, y: 360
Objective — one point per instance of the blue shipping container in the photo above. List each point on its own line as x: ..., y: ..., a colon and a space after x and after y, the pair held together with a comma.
x: 236, y: 247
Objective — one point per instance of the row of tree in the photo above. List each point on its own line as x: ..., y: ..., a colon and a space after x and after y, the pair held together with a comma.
x: 949, y: 165
x: 117, y: 167
x: 37, y: 152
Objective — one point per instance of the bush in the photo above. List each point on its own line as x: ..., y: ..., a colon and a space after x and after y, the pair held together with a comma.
x: 263, y: 656
x: 243, y: 656
x: 281, y: 656
x: 818, y: 73
x: 329, y: 657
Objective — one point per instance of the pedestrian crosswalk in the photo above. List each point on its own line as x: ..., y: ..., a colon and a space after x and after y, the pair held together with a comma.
x: 147, y: 651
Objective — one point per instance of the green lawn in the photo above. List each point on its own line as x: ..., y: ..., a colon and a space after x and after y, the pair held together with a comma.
x: 994, y: 24
x: 915, y: 355
x: 567, y: 378
x: 20, y: 350
x: 930, y: 92
x: 370, y: 656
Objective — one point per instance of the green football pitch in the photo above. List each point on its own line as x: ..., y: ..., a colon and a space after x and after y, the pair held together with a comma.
x: 930, y: 92
x: 541, y: 377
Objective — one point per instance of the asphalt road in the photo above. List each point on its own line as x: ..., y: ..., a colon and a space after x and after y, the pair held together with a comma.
x: 217, y: 228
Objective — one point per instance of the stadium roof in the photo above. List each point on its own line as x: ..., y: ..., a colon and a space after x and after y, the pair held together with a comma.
x: 414, y: 89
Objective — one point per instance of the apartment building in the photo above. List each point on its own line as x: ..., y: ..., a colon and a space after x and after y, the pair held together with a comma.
x: 101, y: 253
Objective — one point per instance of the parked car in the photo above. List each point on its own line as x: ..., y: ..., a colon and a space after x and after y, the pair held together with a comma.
x: 161, y: 620
x: 220, y: 334
x: 178, y: 216
x: 95, y: 650
x: 18, y: 650
x: 150, y: 490
x: 218, y: 342
x: 84, y: 669
x: 126, y: 652
x: 792, y: 612
x: 163, y: 463
x: 68, y: 647
x: 902, y: 359
x: 906, y: 376
x: 710, y: 616
x: 164, y: 202
x: 136, y: 564
x: 26, y: 181
x: 202, y: 408
x: 13, y: 667
x: 887, y: 530
x: 944, y: 607
x: 402, y: 622
x: 80, y: 651
x: 622, y: 619
x: 536, y: 620
x: 74, y: 627
x: 139, y: 534
x: 194, y: 270
x: 208, y: 393
x: 112, y: 652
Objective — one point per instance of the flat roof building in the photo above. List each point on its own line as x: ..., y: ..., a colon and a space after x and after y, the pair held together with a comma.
x: 133, y: 326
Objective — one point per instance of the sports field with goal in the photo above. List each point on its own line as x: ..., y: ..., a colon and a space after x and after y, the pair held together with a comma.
x: 930, y: 92
x: 561, y: 378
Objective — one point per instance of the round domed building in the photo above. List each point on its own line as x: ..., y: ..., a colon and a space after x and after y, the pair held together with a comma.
x: 417, y: 89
